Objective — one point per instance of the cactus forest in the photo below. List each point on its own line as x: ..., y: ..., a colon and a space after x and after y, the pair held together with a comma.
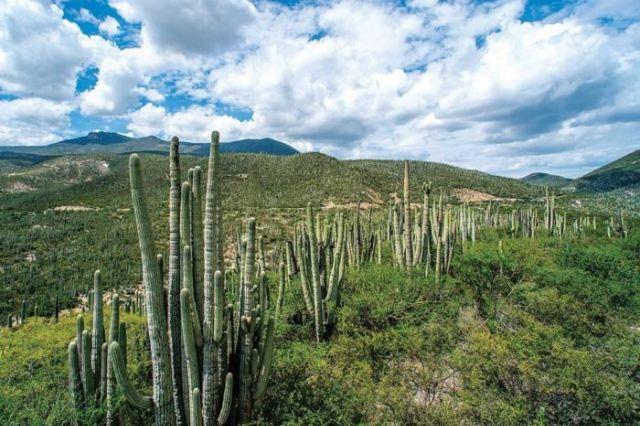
x: 205, y: 306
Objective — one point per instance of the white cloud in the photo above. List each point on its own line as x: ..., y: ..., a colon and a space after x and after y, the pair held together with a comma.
x: 109, y: 26
x: 192, y: 26
x: 32, y: 121
x: 40, y: 52
x: 84, y: 15
x: 193, y: 124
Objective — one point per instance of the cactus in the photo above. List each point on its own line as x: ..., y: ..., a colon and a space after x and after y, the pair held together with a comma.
x: 281, y: 282
x: 156, y: 316
x: 97, y: 338
x: 173, y: 287
x: 408, y: 242
x: 75, y: 383
x: 114, y: 330
x: 88, y: 379
x: 23, y: 312
x: 213, y: 359
x: 315, y: 275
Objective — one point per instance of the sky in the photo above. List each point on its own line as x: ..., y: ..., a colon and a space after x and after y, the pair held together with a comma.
x: 506, y: 86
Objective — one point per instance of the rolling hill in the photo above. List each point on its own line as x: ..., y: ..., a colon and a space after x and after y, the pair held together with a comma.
x: 250, y: 180
x: 108, y: 142
x: 545, y: 179
x: 619, y: 175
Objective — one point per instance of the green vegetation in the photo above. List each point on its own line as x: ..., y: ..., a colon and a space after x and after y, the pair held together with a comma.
x: 544, y: 332
x: 622, y: 174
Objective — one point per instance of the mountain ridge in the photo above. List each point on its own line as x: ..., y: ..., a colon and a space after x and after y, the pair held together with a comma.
x: 110, y: 142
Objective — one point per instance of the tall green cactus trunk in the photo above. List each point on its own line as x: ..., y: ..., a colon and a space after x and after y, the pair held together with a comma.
x: 315, y: 275
x: 247, y: 328
x: 97, y: 338
x: 173, y: 284
x: 408, y: 241
x: 156, y: 317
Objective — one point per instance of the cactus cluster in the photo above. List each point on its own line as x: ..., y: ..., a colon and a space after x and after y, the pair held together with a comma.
x: 210, y: 359
x: 90, y: 375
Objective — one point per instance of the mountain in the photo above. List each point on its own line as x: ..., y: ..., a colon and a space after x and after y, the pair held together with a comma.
x: 108, y: 142
x: 546, y: 179
x: 621, y: 174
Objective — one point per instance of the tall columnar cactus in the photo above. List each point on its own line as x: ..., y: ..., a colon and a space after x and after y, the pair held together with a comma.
x: 315, y: 275
x: 197, y: 231
x: 173, y: 293
x: 97, y: 337
x: 408, y: 241
x: 156, y: 317
x: 212, y: 234
x: 23, y: 312
x: 75, y: 382
x: 114, y: 330
x: 88, y: 379
x: 397, y: 236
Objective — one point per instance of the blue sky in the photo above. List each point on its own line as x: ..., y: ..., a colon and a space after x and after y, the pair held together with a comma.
x: 504, y: 86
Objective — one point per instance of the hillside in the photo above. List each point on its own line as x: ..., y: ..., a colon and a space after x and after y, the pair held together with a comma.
x: 250, y: 180
x: 108, y: 142
x: 618, y: 175
x: 546, y: 179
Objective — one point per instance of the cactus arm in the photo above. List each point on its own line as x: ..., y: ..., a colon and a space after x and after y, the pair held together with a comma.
x: 103, y: 371
x: 304, y: 277
x: 196, y: 191
x: 87, y: 373
x: 120, y: 373
x: 225, y: 410
x: 122, y: 341
x: 333, y: 285
x: 208, y: 367
x: 97, y: 338
x: 218, y: 307
x: 281, y: 282
x: 156, y: 317
x: 113, y: 337
x: 187, y: 283
x: 189, y: 345
x: 173, y: 282
x: 315, y: 275
x: 247, y: 322
x: 265, y: 363
x: 75, y: 383
x: 195, y: 415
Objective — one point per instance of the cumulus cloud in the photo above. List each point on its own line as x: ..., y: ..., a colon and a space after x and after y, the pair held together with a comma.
x: 193, y: 26
x: 40, y: 51
x: 192, y: 124
x: 32, y: 121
